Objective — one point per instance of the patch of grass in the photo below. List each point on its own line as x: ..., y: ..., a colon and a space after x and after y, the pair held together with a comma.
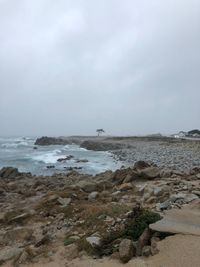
x: 96, y: 214
x: 69, y: 241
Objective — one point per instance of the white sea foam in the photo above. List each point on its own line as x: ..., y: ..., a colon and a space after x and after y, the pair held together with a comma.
x: 15, y: 145
x: 48, y: 157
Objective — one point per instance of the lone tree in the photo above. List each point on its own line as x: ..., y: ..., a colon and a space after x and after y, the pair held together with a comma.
x: 100, y: 131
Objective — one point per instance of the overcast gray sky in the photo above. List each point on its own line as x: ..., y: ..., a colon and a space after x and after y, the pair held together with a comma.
x: 69, y: 67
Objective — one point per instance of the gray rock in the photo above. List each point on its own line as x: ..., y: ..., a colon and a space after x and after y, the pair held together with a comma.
x: 183, y: 221
x: 143, y: 241
x: 64, y: 201
x: 150, y: 173
x: 94, y: 241
x: 88, y: 187
x: 126, y: 250
x: 9, y: 253
x: 9, y: 172
x: 146, y: 251
x: 154, y: 247
x: 166, y: 173
x: 92, y: 196
x: 198, y: 176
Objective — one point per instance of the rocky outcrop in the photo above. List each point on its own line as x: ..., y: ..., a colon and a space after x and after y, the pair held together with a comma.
x: 10, y: 172
x: 183, y: 221
x: 101, y: 146
x: 46, y: 141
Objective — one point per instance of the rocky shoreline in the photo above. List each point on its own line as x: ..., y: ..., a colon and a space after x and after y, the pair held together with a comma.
x: 166, y: 152
x: 113, y: 214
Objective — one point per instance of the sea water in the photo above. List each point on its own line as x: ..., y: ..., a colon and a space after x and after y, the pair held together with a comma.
x: 19, y: 152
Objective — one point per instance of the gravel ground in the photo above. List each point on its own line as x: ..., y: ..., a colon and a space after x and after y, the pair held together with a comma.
x: 175, y: 155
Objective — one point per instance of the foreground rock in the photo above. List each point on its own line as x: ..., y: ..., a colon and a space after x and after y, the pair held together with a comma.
x: 126, y: 250
x: 183, y: 221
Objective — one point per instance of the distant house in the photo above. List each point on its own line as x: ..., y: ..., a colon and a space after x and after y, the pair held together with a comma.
x: 190, y: 134
x: 181, y: 134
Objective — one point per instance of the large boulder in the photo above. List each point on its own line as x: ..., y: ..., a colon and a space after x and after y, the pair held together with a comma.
x: 126, y: 250
x: 124, y: 176
x: 86, y: 186
x: 150, y: 173
x: 180, y: 221
x: 9, y: 172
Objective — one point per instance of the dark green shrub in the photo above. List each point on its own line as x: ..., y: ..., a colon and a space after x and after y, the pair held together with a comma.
x: 137, y: 225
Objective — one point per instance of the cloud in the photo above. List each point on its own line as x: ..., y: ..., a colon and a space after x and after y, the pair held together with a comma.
x: 74, y: 66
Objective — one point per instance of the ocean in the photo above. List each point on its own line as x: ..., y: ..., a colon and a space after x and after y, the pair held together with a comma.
x: 19, y: 152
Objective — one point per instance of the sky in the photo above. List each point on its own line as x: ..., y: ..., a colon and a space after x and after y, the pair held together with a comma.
x: 68, y: 67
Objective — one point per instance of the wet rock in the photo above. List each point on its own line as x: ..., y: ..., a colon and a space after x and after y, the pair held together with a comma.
x: 65, y: 159
x: 50, y: 167
x: 126, y: 250
x: 82, y: 161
